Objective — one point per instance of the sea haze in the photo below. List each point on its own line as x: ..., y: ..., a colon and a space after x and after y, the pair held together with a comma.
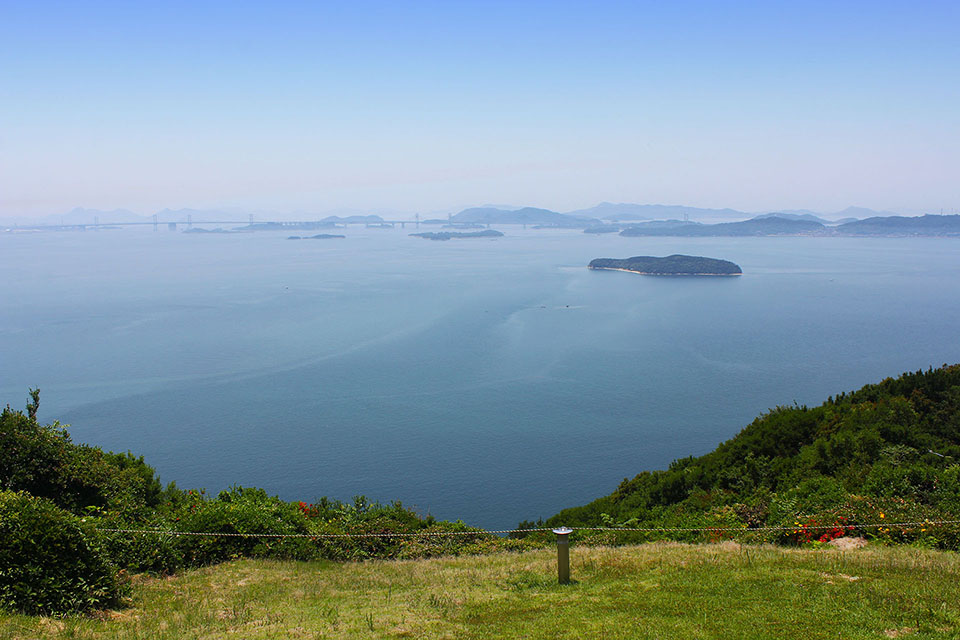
x: 491, y: 380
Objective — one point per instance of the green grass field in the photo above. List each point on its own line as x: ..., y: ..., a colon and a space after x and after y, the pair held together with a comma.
x: 658, y: 590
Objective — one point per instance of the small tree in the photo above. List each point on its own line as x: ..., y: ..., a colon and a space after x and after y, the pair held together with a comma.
x: 33, y: 406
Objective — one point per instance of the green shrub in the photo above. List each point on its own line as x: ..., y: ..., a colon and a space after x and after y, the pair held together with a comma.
x: 43, y: 461
x: 947, y: 493
x: 155, y: 553
x: 244, y: 511
x: 51, y: 562
x: 33, y: 455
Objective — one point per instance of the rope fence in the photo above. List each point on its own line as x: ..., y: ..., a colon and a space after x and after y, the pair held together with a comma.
x: 707, y: 529
x: 324, y: 535
x: 562, y: 533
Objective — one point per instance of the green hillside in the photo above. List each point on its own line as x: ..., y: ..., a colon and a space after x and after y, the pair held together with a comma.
x: 888, y: 452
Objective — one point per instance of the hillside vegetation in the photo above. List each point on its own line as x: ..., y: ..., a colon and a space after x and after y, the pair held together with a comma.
x: 886, y: 453
x: 60, y: 502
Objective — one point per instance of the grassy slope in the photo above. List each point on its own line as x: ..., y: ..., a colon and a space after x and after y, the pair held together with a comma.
x: 649, y: 591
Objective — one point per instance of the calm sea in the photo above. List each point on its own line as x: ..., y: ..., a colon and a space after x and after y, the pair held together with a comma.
x: 487, y: 380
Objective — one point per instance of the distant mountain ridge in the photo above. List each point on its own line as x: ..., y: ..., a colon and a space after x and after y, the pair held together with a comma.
x: 629, y: 211
x: 862, y: 212
x: 485, y: 214
x: 794, y: 224
x: 793, y: 216
x: 526, y: 215
x: 899, y: 225
x: 770, y: 226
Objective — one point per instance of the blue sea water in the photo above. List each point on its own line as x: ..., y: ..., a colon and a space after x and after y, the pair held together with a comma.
x: 491, y: 380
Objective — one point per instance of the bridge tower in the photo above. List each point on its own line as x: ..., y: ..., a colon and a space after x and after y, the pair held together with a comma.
x: 189, y: 221
x: 154, y: 222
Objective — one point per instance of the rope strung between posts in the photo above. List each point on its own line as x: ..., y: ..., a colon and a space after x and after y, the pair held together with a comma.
x: 324, y: 535
x: 848, y: 527
x: 799, y: 527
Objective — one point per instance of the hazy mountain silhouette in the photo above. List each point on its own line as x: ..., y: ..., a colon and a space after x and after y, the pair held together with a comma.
x: 630, y: 211
x: 526, y: 215
x: 899, y: 225
x: 793, y: 216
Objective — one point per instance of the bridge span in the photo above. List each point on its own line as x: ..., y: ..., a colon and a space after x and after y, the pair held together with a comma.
x: 251, y: 225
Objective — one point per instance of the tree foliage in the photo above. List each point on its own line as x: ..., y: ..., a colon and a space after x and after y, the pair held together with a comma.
x: 72, y: 514
x: 898, y: 440
x: 43, y: 461
x: 50, y: 561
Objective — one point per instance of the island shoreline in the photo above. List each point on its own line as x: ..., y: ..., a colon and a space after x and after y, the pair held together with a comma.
x: 648, y: 273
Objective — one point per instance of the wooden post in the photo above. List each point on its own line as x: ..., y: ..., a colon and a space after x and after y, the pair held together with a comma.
x: 563, y: 554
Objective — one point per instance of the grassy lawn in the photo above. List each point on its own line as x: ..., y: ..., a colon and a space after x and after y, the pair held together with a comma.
x: 647, y: 591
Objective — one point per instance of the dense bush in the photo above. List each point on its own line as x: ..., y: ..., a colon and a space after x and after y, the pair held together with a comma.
x: 357, y: 530
x: 50, y: 562
x: 328, y: 529
x: 364, y: 521
x: 42, y: 460
x: 239, y: 511
x: 144, y: 551
x: 33, y: 456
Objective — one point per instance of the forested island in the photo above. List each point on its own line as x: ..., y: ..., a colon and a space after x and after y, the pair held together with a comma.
x: 202, y: 230
x: 675, y: 265
x: 447, y: 235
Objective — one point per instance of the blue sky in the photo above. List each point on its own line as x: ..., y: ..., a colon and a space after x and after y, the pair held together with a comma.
x: 430, y: 106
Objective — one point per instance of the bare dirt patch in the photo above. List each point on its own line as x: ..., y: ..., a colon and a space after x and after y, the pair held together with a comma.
x: 848, y: 543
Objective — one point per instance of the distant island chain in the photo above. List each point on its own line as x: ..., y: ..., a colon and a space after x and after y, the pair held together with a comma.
x: 624, y: 219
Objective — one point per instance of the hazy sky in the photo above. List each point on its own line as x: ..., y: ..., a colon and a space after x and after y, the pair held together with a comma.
x: 426, y: 106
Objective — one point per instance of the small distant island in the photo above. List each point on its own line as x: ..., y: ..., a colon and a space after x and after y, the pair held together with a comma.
x: 319, y: 236
x: 202, y: 230
x: 675, y: 265
x: 447, y: 235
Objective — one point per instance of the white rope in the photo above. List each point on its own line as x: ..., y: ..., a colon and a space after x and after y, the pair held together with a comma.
x: 796, y: 529
x: 324, y: 535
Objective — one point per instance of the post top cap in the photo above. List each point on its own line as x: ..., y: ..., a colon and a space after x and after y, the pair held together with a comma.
x: 562, y: 531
